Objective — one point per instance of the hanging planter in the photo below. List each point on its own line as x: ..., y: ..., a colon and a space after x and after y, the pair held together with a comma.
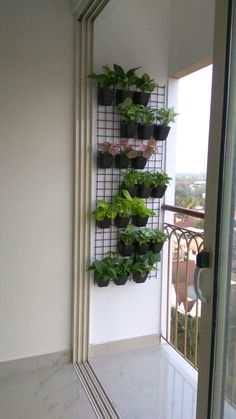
x: 156, y: 247
x: 141, y: 98
x: 141, y: 249
x: 104, y: 160
x: 139, y: 221
x: 121, y: 161
x: 101, y: 282
x: 133, y: 190
x: 125, y: 250
x: 120, y: 281
x: 138, y: 162
x: 121, y: 95
x: 105, y: 223
x: 158, y: 192
x: 105, y: 97
x: 138, y: 278
x: 161, y: 133
x: 145, y: 131
x: 144, y: 191
x: 122, y: 222
x: 128, y: 130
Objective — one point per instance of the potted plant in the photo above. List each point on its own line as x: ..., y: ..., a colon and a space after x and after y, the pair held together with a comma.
x: 105, y: 82
x: 123, y: 209
x: 145, y: 182
x: 105, y: 156
x: 104, y: 214
x: 130, y: 116
x: 143, y: 239
x: 146, y: 124
x: 140, y: 157
x: 164, y: 116
x: 157, y: 240
x: 142, y: 265
x: 140, y: 213
x: 125, y: 245
x: 146, y: 85
x: 122, y: 270
x: 160, y: 181
x: 130, y: 180
x: 121, y: 158
x: 125, y: 80
x: 103, y: 270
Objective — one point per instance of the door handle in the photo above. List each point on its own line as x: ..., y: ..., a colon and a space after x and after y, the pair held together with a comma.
x: 197, y: 284
x: 202, y: 265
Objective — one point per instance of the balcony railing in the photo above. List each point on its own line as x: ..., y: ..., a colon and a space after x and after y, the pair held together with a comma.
x: 183, y: 309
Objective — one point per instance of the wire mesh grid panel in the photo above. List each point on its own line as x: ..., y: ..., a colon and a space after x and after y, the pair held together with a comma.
x: 108, y: 181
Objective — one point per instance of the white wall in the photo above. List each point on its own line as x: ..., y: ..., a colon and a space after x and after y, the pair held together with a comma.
x: 191, y: 33
x: 36, y: 112
x: 130, y: 33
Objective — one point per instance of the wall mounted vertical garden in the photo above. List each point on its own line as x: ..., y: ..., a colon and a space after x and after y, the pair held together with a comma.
x: 110, y: 176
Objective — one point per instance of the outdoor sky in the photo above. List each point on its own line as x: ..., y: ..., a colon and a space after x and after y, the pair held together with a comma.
x: 193, y: 121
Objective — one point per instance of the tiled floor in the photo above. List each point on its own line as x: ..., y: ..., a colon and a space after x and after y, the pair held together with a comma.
x: 47, y: 393
x: 149, y: 383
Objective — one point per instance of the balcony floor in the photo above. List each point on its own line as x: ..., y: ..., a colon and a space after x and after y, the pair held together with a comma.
x: 149, y: 383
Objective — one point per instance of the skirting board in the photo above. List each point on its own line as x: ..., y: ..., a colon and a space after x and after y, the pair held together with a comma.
x: 140, y: 342
x: 35, y: 362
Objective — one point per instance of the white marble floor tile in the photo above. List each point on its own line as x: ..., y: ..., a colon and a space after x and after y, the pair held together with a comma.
x: 47, y: 393
x: 149, y: 383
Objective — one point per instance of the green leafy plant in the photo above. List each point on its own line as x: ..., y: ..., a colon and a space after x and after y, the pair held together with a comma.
x: 165, y: 116
x: 122, y: 205
x: 127, y: 235
x: 131, y: 178
x: 158, y: 236
x: 145, y: 263
x: 130, y: 113
x: 147, y: 115
x: 105, y: 268
x: 144, y: 236
x: 106, y: 80
x: 138, y: 208
x: 125, y: 79
x: 122, y: 267
x: 104, y: 210
x: 160, y: 179
x: 107, y: 147
x: 145, y: 179
x: 145, y: 83
x: 144, y: 150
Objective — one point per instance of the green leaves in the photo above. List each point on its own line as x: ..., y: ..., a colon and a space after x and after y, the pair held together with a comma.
x: 106, y: 80
x: 130, y: 113
x: 165, y: 116
x: 127, y: 235
x: 145, y: 83
x: 131, y: 178
x: 104, y: 210
x: 160, y: 179
x: 125, y: 79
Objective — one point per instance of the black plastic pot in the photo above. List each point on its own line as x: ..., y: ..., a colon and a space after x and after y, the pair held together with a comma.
x: 141, y: 98
x: 160, y: 132
x: 121, y: 161
x: 156, y: 247
x: 141, y: 249
x: 145, y: 131
x: 128, y: 130
x: 105, y: 97
x: 104, y: 160
x: 139, y: 162
x: 122, y: 222
x: 158, y: 192
x: 121, y: 95
x: 131, y: 189
x: 138, y: 221
x: 100, y: 281
x: 144, y: 191
x: 138, y: 278
x: 106, y: 223
x: 120, y: 281
x: 125, y: 250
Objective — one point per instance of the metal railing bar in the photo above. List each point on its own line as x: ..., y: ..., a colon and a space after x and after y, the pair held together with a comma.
x: 185, y: 211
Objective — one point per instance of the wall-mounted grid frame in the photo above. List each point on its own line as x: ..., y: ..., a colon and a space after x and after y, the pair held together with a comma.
x: 108, y: 181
